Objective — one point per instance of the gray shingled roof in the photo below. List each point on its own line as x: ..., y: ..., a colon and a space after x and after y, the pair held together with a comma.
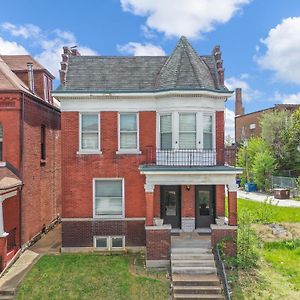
x: 183, y: 69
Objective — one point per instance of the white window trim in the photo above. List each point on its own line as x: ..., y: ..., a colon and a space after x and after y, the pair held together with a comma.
x: 95, y: 216
x: 196, y: 132
x: 101, y: 248
x: 129, y: 151
x: 86, y: 151
x: 175, y: 128
x: 109, y: 243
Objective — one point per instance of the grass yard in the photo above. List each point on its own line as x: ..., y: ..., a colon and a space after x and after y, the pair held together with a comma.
x: 92, y: 276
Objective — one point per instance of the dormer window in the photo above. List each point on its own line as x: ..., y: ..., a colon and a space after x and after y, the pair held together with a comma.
x: 30, y: 76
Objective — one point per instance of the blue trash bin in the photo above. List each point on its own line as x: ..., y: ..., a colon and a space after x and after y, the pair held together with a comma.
x: 250, y: 187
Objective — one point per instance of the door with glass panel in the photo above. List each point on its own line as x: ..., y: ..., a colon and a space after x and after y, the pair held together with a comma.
x: 205, y: 205
x: 170, y: 205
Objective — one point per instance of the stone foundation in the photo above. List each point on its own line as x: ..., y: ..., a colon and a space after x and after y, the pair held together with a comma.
x: 188, y: 224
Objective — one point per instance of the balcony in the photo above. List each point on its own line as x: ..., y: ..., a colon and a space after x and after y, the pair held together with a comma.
x: 190, y: 157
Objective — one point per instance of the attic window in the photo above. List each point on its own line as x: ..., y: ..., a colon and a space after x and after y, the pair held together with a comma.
x: 30, y: 76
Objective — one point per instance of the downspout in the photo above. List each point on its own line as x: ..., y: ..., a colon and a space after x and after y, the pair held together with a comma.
x: 21, y: 164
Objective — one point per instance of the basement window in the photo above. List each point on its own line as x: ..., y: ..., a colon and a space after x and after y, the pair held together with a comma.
x: 101, y: 242
x: 117, y: 242
x: 109, y: 243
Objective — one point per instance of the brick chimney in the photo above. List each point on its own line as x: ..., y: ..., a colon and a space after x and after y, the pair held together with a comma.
x: 239, y: 109
x: 219, y: 63
x: 67, y: 52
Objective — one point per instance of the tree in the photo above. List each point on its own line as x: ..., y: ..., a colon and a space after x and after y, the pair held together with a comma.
x: 274, y: 126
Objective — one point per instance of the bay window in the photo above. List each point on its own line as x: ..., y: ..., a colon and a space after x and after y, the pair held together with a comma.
x: 166, y: 131
x: 207, y: 132
x: 187, y: 131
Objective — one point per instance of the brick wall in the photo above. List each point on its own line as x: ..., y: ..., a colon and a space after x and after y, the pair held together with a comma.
x: 41, y: 193
x: 188, y: 201
x: 226, y: 235
x: 220, y: 200
x: 158, y: 243
x: 220, y: 136
x: 78, y: 170
x: 81, y: 233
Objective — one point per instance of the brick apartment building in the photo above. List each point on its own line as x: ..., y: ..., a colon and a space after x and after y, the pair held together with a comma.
x: 30, y: 182
x: 251, y: 121
x: 142, y: 143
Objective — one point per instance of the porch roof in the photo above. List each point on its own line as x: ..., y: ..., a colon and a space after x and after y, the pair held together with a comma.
x: 193, y: 169
x: 8, y: 179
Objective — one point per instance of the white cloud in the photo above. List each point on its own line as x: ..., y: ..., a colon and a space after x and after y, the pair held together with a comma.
x: 282, y: 54
x: 248, y: 92
x: 191, y: 18
x: 49, y: 44
x: 11, y: 48
x: 287, y: 98
x: 138, y: 49
x: 229, y: 123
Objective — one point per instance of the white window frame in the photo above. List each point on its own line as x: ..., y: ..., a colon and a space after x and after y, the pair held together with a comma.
x: 95, y: 216
x: 92, y: 151
x: 196, y: 132
x: 109, y: 239
x: 175, y: 127
x: 101, y: 248
x: 129, y: 151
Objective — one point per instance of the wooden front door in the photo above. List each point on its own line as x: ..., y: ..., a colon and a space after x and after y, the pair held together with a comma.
x: 205, y: 205
x: 170, y: 205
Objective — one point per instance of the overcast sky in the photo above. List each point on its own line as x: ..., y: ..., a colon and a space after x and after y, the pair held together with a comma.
x: 260, y: 39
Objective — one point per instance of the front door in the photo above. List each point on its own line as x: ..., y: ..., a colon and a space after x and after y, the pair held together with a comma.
x: 170, y: 205
x: 205, y: 205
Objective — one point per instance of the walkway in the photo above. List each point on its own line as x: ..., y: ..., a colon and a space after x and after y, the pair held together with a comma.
x: 260, y: 197
x: 49, y: 243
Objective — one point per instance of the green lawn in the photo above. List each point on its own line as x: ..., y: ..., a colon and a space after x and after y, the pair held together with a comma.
x: 92, y: 276
x: 275, y: 213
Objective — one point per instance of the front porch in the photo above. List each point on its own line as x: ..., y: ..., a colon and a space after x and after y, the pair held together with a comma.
x: 187, y: 200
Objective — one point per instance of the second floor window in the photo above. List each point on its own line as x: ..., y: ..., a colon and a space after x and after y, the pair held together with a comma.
x: 187, y: 131
x: 166, y: 131
x: 207, y: 132
x: 89, y: 126
x: 128, y: 131
x: 43, y: 142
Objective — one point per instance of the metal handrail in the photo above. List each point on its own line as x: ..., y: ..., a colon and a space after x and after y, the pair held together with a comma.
x: 222, y: 273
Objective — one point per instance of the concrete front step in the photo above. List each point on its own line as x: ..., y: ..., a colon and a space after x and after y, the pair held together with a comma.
x: 191, y: 256
x: 192, y: 280
x: 195, y: 296
x: 194, y: 270
x: 5, y: 292
x: 193, y: 263
x: 6, y: 297
x: 191, y: 250
x: 197, y: 289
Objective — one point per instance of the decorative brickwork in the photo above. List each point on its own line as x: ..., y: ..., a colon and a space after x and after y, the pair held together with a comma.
x: 81, y: 233
x: 158, y: 243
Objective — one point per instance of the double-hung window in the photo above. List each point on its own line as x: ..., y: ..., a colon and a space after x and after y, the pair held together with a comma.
x: 166, y: 131
x: 108, y: 197
x: 128, y: 132
x: 207, y: 131
x: 187, y: 131
x: 89, y: 139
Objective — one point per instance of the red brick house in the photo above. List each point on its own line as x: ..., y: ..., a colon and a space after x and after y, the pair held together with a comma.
x: 30, y: 182
x: 142, y: 143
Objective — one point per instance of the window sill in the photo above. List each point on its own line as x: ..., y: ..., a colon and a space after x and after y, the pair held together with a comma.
x: 129, y: 152
x: 88, y: 152
x: 108, y: 217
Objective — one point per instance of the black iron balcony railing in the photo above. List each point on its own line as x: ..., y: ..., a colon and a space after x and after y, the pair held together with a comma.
x: 190, y: 157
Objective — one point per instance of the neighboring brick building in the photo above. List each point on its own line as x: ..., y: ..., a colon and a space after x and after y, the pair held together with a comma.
x: 251, y: 121
x: 30, y: 178
x: 142, y: 140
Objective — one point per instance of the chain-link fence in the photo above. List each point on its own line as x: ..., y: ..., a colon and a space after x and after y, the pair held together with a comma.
x: 285, y: 183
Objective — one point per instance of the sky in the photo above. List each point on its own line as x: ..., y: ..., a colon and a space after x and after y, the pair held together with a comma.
x: 259, y: 39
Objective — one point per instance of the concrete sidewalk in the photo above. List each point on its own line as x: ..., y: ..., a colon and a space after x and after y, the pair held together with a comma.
x: 49, y: 243
x: 260, y: 197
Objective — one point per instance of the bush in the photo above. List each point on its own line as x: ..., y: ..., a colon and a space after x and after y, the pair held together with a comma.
x: 264, y: 213
x: 247, y: 242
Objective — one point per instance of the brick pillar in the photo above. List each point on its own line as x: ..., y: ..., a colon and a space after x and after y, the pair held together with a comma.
x: 232, y: 208
x: 149, y: 208
x: 220, y: 200
x: 220, y: 137
x: 3, y: 251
